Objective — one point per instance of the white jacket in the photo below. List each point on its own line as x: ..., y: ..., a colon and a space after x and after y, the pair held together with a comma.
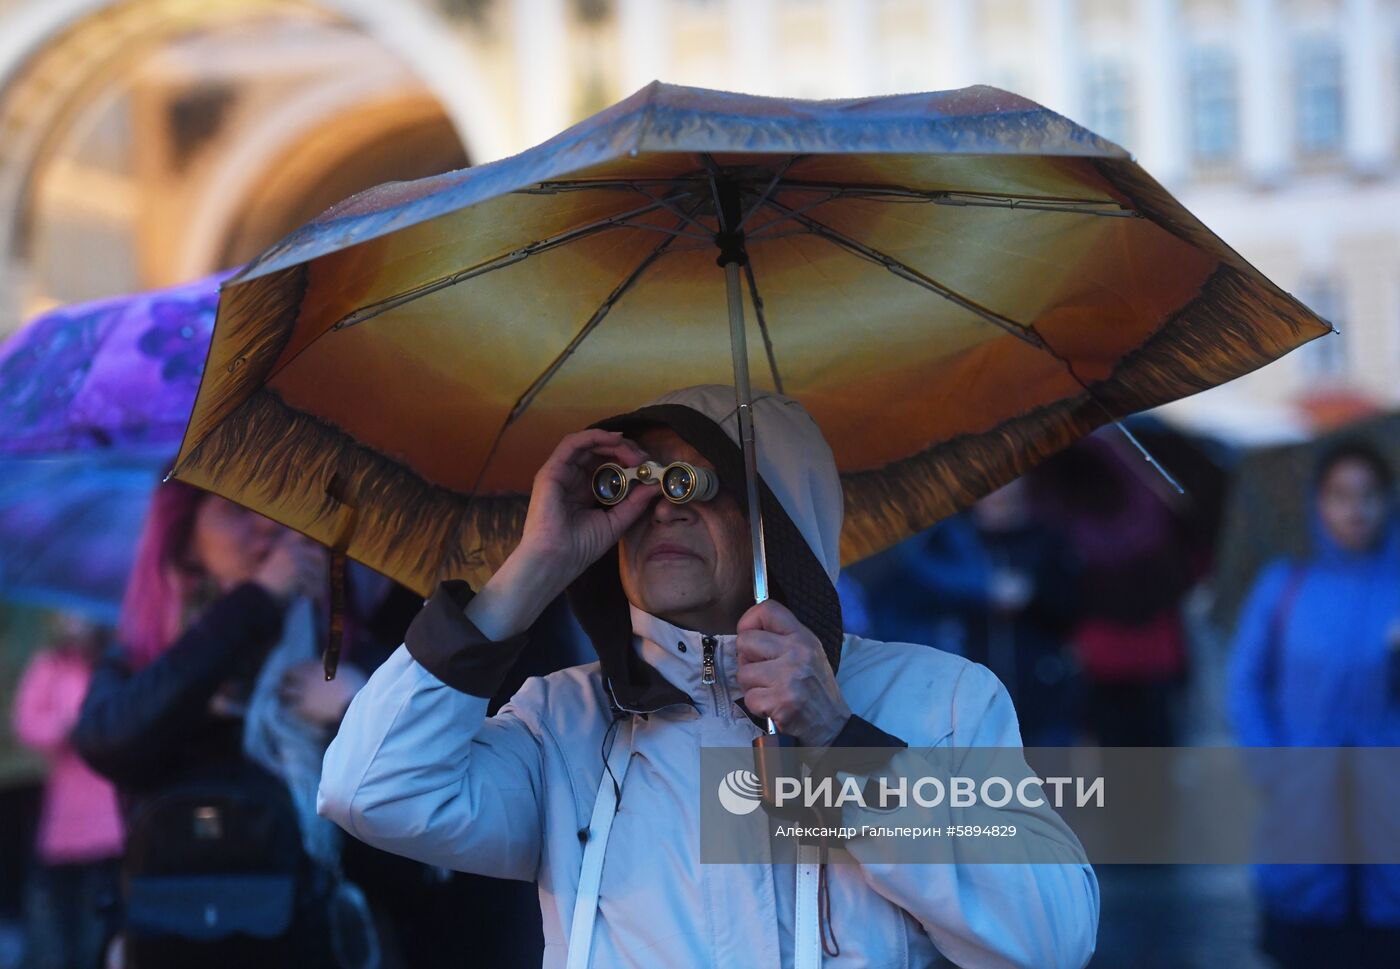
x: 419, y: 769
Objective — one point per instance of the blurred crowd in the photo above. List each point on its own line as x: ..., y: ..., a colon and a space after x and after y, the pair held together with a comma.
x: 183, y: 746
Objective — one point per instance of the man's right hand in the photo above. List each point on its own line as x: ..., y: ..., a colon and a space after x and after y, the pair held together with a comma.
x: 566, y: 531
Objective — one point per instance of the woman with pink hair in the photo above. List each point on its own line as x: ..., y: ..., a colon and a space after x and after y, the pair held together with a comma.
x: 181, y: 716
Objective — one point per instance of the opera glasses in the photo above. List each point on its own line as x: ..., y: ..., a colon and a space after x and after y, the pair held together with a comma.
x: 680, y: 482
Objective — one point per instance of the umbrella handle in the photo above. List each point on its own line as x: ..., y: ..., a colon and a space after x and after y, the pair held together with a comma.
x: 774, y: 757
x: 347, y: 520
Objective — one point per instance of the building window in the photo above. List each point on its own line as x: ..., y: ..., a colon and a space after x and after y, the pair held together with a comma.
x: 1108, y: 102
x: 1325, y: 357
x: 593, y: 11
x: 1214, y: 106
x: 1317, y: 95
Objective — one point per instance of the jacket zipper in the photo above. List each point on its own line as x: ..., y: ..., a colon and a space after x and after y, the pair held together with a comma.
x: 708, y: 677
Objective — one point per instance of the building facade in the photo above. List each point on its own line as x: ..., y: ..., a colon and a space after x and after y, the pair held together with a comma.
x: 147, y: 141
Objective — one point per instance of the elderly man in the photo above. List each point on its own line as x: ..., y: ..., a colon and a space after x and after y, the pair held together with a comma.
x: 687, y: 661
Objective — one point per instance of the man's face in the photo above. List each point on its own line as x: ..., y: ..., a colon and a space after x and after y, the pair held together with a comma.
x: 691, y: 564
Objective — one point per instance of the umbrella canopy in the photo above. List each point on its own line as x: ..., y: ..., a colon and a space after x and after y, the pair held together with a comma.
x: 118, y: 372
x: 955, y: 285
x: 1270, y: 510
x: 69, y: 526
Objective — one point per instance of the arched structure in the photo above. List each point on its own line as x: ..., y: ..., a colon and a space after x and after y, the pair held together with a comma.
x: 58, y: 58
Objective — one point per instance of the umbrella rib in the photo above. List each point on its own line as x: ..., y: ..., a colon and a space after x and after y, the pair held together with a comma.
x: 1132, y: 439
x: 761, y: 231
x: 613, y: 184
x: 767, y: 191
x: 1104, y: 208
x: 715, y: 174
x: 538, y: 384
x: 527, y: 398
x: 678, y: 233
x: 382, y: 306
x: 763, y: 326
x: 685, y: 217
x: 770, y: 236
x: 1028, y: 334
x: 910, y: 274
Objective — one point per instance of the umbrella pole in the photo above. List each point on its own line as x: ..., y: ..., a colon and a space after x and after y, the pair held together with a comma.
x: 733, y: 255
x: 743, y: 397
x: 773, y: 751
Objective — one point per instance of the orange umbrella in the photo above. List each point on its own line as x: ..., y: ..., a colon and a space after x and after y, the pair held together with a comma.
x: 955, y: 285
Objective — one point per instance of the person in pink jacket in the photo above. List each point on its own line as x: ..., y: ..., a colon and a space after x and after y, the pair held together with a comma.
x: 69, y: 896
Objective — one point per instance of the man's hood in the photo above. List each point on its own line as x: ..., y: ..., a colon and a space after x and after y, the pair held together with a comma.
x: 800, y: 491
x: 794, y: 460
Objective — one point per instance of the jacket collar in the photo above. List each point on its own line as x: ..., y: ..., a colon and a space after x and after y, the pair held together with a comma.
x: 679, y: 655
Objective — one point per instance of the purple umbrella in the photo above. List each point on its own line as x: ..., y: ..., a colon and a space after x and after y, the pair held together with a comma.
x: 113, y: 373
x: 69, y: 525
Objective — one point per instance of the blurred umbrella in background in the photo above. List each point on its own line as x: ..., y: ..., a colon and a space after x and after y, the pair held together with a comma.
x: 115, y: 373
x: 1270, y: 508
x: 93, y: 400
x: 68, y: 528
x: 1200, y: 462
x: 955, y: 285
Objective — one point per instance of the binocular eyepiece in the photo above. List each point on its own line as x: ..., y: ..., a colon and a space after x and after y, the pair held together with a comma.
x: 680, y: 482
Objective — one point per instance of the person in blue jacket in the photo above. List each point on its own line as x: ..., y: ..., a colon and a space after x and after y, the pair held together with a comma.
x: 999, y: 586
x: 1316, y: 663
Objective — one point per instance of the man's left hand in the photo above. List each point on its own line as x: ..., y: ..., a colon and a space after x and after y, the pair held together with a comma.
x: 785, y: 675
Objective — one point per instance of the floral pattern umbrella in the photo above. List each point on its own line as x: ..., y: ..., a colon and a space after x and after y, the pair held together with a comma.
x: 93, y: 400
x: 115, y: 373
x: 69, y: 525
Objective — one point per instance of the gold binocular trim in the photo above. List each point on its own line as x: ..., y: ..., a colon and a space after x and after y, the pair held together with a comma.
x: 680, y: 482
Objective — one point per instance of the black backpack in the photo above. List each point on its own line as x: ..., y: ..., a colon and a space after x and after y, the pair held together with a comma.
x: 215, y: 870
